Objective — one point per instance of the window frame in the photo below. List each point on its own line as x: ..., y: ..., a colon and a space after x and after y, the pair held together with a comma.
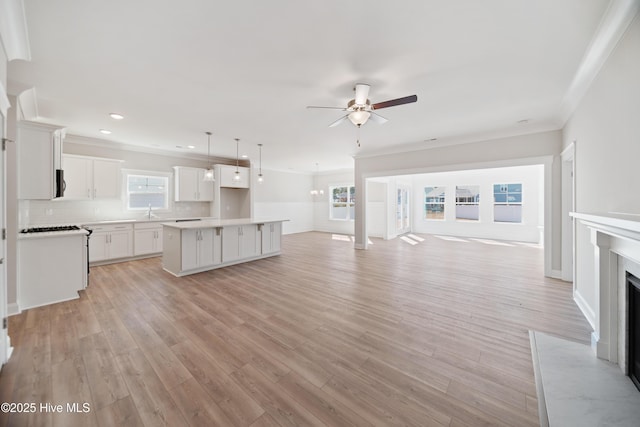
x: 441, y: 203
x: 467, y: 203
x: 348, y: 204
x: 507, y: 202
x: 149, y: 174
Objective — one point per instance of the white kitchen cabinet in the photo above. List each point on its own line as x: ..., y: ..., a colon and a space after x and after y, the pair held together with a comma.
x: 38, y: 151
x: 147, y: 238
x: 193, y: 247
x: 200, y: 248
x: 190, y: 185
x: 271, y: 234
x: 111, y: 242
x: 51, y: 267
x: 226, y: 174
x: 90, y: 178
x: 240, y: 241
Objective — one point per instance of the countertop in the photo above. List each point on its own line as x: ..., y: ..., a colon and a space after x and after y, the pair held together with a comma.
x: 140, y: 220
x: 212, y: 223
x: 69, y: 233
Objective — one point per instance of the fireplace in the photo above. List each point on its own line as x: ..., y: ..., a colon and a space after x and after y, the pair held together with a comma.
x: 633, y: 316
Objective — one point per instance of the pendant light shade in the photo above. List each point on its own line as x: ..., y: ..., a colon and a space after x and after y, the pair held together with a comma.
x: 236, y: 175
x: 260, y: 177
x: 208, y: 174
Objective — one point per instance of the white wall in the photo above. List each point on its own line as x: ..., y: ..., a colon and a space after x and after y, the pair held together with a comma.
x: 606, y: 130
x: 531, y: 178
x: 323, y: 181
x: 285, y: 195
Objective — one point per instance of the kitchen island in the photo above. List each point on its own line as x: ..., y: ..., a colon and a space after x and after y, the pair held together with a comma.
x: 194, y: 246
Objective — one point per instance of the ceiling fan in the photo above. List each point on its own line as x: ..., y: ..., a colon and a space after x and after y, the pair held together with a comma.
x: 360, y: 110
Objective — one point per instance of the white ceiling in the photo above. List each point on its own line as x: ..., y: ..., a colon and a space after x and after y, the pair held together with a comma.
x: 248, y: 69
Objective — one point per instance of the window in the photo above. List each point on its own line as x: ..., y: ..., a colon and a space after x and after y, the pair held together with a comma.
x: 343, y: 201
x: 507, y: 202
x: 467, y: 202
x: 434, y: 202
x: 147, y: 190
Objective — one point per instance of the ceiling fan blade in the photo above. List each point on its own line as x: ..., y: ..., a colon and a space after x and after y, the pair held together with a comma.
x: 328, y: 108
x: 362, y: 93
x: 337, y: 122
x: 394, y: 102
x: 377, y: 118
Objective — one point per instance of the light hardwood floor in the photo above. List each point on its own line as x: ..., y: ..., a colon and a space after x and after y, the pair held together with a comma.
x: 434, y: 333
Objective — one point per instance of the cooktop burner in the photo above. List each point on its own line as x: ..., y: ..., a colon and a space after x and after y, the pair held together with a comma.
x: 50, y: 229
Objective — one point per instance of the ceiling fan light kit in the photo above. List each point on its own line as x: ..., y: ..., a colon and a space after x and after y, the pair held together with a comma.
x: 359, y: 110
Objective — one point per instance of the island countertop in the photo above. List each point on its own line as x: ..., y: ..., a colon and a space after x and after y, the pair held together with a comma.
x: 214, y: 223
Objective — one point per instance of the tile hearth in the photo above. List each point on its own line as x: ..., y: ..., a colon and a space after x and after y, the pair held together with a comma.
x: 579, y: 389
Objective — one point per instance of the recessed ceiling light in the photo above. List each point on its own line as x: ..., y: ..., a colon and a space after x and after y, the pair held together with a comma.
x: 178, y: 146
x: 523, y: 121
x: 105, y: 131
x: 430, y: 139
x: 116, y: 116
x: 244, y: 156
x: 191, y: 147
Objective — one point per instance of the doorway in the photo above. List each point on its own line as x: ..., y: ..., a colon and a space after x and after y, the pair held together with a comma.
x: 403, y: 207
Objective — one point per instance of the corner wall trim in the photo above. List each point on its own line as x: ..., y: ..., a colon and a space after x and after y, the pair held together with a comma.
x: 587, y: 311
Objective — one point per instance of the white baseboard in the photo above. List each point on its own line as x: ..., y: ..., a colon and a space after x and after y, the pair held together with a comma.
x: 555, y: 274
x: 588, y: 312
x: 13, y: 309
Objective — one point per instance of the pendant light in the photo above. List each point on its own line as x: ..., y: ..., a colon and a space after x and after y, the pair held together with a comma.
x: 236, y: 175
x: 208, y: 174
x: 260, y: 178
x: 315, y: 192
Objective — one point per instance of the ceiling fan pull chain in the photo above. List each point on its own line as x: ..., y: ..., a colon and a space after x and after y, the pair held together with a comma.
x: 358, y: 137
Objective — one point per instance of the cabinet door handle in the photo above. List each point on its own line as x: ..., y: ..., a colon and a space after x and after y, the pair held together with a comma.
x: 95, y: 192
x: 88, y: 193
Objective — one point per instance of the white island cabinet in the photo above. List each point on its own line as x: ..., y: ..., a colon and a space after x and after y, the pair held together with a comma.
x: 195, y: 246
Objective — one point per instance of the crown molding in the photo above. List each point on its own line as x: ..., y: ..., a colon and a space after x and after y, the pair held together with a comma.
x: 612, y: 27
x: 13, y: 30
x: 112, y: 145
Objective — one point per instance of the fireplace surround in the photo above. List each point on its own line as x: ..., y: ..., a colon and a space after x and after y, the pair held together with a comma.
x: 616, y: 244
x: 633, y: 316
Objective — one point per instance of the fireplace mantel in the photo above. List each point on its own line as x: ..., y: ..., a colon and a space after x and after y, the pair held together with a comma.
x: 622, y: 224
x: 616, y: 241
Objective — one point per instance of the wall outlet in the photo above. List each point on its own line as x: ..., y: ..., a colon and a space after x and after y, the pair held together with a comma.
x: 48, y: 212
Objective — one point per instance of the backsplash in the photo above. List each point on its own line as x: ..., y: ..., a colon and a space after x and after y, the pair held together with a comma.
x: 55, y: 212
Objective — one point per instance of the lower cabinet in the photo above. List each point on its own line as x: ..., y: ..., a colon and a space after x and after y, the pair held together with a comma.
x: 271, y: 234
x: 111, y: 242
x: 239, y: 242
x: 191, y: 248
x: 200, y: 248
x: 147, y: 239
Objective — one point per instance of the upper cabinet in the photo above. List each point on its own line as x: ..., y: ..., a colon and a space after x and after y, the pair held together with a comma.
x: 227, y: 173
x: 91, y: 178
x: 39, y: 151
x: 190, y: 185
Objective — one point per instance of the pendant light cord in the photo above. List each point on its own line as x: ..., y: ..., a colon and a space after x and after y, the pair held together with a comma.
x: 237, y: 154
